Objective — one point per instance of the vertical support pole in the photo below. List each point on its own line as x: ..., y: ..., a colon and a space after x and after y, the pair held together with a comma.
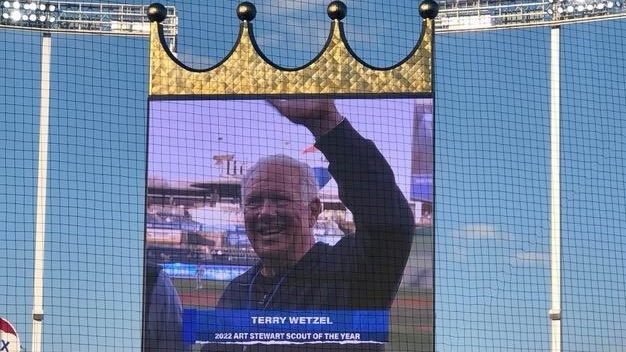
x: 42, y: 178
x: 555, y: 191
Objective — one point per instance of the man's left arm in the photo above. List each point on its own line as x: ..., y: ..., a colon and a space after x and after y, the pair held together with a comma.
x: 374, y: 259
x: 384, y: 221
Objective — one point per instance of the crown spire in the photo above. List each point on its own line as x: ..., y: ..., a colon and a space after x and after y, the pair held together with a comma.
x: 337, y: 10
x: 246, y: 11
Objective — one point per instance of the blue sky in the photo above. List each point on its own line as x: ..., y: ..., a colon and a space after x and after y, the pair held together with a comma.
x: 492, y: 172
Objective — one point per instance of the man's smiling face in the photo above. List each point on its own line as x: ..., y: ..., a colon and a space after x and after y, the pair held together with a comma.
x: 277, y: 216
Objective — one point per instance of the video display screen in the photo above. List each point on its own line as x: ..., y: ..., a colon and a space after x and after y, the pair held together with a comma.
x: 270, y: 226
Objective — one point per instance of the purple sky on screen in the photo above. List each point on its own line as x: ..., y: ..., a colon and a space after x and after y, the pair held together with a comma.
x: 186, y: 135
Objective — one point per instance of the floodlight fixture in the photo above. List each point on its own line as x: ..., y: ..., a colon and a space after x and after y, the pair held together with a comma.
x: 84, y: 17
x: 455, y: 14
x: 27, y: 14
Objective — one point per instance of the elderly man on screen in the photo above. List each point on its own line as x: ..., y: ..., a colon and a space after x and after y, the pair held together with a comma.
x: 281, y: 206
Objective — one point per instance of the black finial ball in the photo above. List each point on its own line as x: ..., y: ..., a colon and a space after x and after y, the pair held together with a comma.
x: 429, y: 9
x: 157, y: 12
x: 246, y: 11
x: 337, y: 10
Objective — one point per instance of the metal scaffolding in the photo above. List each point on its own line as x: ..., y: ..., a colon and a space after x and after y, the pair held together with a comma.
x: 477, y: 15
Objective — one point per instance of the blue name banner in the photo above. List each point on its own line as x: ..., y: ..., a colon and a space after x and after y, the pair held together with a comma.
x: 422, y: 187
x: 298, y: 326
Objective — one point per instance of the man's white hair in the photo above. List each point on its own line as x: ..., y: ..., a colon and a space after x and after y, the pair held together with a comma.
x: 306, y: 177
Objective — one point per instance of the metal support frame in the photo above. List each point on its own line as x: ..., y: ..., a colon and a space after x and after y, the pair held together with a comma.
x: 42, y: 179
x: 555, y: 189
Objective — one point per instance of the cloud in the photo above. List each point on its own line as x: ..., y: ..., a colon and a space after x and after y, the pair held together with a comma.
x: 457, y: 254
x: 481, y: 231
x: 195, y: 61
x: 532, y: 257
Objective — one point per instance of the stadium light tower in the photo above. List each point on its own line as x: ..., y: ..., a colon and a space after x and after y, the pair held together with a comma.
x: 50, y: 17
x: 481, y: 15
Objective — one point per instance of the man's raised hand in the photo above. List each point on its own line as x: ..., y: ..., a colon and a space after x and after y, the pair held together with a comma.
x: 318, y: 115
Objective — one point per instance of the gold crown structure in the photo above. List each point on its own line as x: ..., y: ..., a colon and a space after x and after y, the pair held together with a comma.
x: 246, y: 71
